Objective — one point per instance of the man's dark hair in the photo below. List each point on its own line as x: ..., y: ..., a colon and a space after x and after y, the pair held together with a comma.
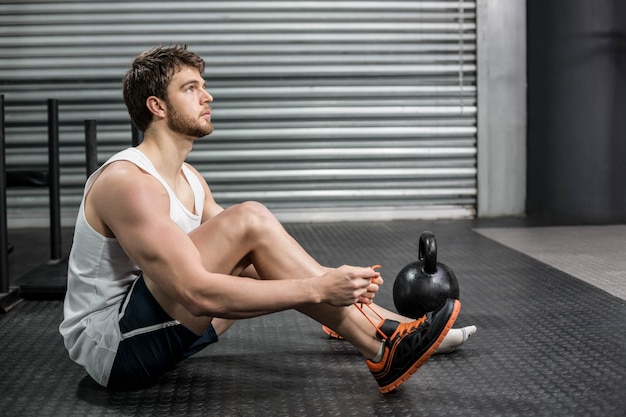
x: 150, y: 74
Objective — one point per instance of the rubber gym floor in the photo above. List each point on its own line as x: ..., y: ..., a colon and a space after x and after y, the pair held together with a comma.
x: 549, y: 304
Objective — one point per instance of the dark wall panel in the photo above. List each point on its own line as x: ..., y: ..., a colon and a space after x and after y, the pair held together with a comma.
x: 577, y: 111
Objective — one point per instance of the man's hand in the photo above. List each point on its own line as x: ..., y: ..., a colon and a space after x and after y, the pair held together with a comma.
x: 348, y: 285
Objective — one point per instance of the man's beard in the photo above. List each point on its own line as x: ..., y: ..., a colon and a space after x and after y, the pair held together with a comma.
x: 185, y: 125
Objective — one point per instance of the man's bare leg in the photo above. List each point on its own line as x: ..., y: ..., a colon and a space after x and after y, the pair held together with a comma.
x: 248, y: 234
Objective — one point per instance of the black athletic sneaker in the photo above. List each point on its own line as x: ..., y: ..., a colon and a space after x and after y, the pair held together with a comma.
x: 409, y: 345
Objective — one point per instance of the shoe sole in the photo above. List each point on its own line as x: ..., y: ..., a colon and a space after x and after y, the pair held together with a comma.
x: 395, y: 384
x: 331, y: 333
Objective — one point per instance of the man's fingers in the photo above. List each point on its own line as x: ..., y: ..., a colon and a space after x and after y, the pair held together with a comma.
x: 377, y: 280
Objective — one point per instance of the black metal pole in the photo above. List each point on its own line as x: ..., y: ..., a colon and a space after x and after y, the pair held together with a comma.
x: 4, y: 245
x: 54, y: 174
x: 91, y: 146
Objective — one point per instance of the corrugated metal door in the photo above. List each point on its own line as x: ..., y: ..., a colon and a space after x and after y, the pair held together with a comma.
x: 323, y: 109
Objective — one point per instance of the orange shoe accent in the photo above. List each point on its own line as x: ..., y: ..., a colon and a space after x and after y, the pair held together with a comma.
x: 408, y: 361
x: 331, y: 333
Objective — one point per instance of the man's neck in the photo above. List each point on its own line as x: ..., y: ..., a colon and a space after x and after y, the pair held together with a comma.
x: 166, y: 154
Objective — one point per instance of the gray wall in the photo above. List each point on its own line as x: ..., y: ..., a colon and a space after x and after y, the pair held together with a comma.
x: 323, y: 110
x: 577, y: 111
x: 501, y: 83
x: 501, y: 87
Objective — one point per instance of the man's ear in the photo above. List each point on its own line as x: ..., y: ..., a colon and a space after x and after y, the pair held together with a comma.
x: 156, y: 106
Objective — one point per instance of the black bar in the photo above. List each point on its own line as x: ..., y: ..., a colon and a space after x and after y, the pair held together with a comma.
x: 4, y: 245
x: 54, y: 179
x: 91, y: 146
x: 136, y: 134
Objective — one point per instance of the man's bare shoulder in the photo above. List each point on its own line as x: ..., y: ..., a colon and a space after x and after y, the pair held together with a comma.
x: 120, y: 169
x: 123, y: 181
x: 124, y: 173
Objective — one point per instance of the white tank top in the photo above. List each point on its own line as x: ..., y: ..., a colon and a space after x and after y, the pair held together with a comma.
x: 100, y: 273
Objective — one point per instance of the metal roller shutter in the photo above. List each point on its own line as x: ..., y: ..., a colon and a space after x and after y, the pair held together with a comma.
x: 323, y: 109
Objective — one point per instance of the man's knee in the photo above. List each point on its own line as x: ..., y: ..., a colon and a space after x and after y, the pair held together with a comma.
x: 243, y: 222
x: 254, y: 211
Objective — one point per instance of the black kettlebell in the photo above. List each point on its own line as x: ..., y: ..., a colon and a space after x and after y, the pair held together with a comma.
x: 422, y: 286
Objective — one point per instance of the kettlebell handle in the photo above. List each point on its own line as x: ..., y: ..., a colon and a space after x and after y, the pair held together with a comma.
x: 428, y: 252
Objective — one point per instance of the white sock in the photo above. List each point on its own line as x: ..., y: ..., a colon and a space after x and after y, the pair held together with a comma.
x: 455, y: 338
x: 379, y: 355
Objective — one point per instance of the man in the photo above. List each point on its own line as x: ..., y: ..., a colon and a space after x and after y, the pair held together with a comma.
x: 158, y: 270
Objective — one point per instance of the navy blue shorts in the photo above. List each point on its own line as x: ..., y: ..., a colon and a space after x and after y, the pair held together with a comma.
x: 152, y: 342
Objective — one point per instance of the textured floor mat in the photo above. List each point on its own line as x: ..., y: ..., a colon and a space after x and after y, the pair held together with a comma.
x: 548, y: 345
x: 595, y: 254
